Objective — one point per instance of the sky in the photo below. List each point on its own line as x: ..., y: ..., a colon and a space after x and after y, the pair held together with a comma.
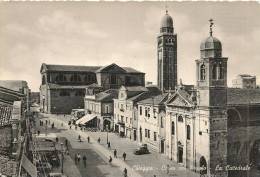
x: 125, y: 33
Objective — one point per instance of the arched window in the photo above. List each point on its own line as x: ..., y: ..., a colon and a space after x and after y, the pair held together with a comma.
x: 60, y: 78
x: 214, y: 71
x: 75, y: 78
x: 188, y: 132
x: 202, y: 72
x: 173, y: 128
x: 180, y: 119
x: 162, y: 122
x: 220, y: 71
x: 43, y: 80
x: 80, y: 93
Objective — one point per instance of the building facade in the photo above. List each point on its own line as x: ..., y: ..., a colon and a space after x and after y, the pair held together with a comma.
x: 244, y: 81
x: 63, y: 86
x: 125, y: 109
x: 101, y: 104
x: 151, y: 122
x: 167, y: 55
x: 196, y: 120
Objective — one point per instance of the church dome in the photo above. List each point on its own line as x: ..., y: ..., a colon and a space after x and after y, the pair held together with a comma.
x: 211, y: 43
x: 166, y: 21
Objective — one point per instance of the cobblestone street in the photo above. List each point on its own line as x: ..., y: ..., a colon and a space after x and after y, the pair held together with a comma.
x: 97, y: 154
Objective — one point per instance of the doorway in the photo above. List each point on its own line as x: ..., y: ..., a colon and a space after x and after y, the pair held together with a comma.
x: 180, y: 154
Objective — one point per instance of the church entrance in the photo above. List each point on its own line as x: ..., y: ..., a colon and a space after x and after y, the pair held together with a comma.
x: 180, y: 154
x: 203, y: 166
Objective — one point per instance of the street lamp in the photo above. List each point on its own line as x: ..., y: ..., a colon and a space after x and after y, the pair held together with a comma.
x: 107, y: 133
x: 62, y: 157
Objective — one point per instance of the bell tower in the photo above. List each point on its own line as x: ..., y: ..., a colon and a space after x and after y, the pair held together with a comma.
x: 212, y: 105
x: 167, y: 55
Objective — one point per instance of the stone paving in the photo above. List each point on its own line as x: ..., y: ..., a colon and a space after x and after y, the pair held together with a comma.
x: 143, y: 165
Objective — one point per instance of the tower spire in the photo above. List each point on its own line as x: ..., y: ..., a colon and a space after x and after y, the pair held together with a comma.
x: 166, y: 9
x: 210, y: 26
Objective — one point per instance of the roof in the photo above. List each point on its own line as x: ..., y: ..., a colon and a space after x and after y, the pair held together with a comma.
x: 107, y: 95
x: 156, y: 100
x: 69, y: 68
x: 238, y: 96
x: 211, y: 43
x: 166, y: 21
x: 57, y: 86
x: 136, y: 89
x: 76, y: 68
x: 114, y: 67
x: 16, y: 85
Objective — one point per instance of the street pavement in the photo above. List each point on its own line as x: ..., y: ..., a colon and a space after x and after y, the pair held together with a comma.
x: 97, y: 154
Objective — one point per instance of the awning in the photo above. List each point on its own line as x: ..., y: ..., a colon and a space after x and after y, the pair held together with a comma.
x: 86, y: 118
x: 29, y: 166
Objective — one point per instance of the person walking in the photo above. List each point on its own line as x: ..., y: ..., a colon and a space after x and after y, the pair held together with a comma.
x: 115, y: 153
x: 88, y: 139
x: 85, y: 160
x: 78, y: 157
x: 124, y: 156
x: 38, y: 132
x: 98, y: 140
x: 167, y: 168
x: 125, y: 172
x: 110, y: 160
x: 108, y: 145
x: 79, y: 138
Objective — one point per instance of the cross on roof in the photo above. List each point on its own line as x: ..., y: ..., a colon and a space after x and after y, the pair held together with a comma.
x: 210, y: 26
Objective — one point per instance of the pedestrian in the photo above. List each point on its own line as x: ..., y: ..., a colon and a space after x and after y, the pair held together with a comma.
x: 125, y: 172
x: 115, y: 153
x: 46, y: 122
x: 110, y: 159
x: 78, y: 157
x: 88, y: 139
x: 66, y: 143
x: 108, y: 145
x: 167, y: 168
x: 57, y: 139
x: 124, y: 155
x: 79, y: 137
x: 62, y: 124
x: 52, y: 125
x: 84, y: 160
x: 98, y: 140
x: 38, y: 132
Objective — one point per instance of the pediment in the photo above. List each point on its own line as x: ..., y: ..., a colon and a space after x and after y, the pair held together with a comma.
x: 178, y: 101
x: 113, y: 68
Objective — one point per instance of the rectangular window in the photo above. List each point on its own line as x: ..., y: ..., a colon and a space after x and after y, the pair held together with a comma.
x: 131, y: 120
x: 155, y: 136
x: 140, y: 110
x: 148, y: 115
x: 122, y: 118
x: 148, y: 133
x: 145, y: 133
x: 126, y: 119
x: 146, y: 112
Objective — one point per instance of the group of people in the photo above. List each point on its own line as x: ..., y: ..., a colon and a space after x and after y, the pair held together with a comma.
x: 78, y: 158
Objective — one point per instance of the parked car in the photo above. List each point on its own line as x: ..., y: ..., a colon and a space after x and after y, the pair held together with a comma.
x: 142, y: 150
